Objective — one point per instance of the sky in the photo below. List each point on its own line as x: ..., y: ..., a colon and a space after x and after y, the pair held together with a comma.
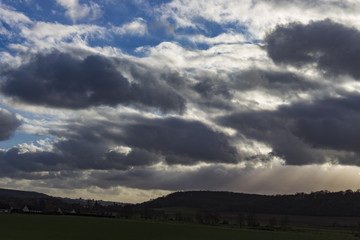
x: 131, y: 100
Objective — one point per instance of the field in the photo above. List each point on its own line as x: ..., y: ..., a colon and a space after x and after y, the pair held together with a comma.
x: 20, y: 226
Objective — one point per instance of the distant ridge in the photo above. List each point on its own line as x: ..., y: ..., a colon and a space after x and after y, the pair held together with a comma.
x: 19, y: 194
x: 321, y: 203
x: 10, y: 193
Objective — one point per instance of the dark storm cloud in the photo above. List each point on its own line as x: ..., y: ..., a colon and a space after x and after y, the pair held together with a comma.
x: 333, y: 47
x: 330, y: 123
x: 81, y: 147
x: 212, y: 93
x: 8, y: 124
x: 61, y: 80
x: 13, y: 160
x: 217, y: 90
x: 177, y: 140
x: 15, y: 163
x: 214, y: 177
x: 181, y: 141
x: 305, y: 133
x: 208, y: 88
x: 273, y: 129
x: 92, y: 144
x: 137, y: 157
x: 271, y: 81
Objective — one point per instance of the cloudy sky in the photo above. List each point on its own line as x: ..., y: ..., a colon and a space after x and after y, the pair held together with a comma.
x: 131, y: 100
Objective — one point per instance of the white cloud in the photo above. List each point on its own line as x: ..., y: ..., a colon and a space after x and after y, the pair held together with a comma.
x: 258, y: 16
x: 48, y: 35
x: 219, y: 57
x: 11, y: 17
x: 4, y: 31
x: 224, y: 38
x: 77, y: 11
x: 138, y: 28
x: 42, y: 146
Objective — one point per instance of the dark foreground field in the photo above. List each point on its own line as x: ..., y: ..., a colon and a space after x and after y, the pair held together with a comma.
x: 14, y: 226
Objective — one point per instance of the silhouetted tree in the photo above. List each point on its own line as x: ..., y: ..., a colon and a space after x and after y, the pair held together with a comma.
x: 252, y: 220
x: 199, y: 217
x: 127, y: 212
x: 272, y: 221
x: 147, y: 213
x: 284, y: 223
x: 179, y: 216
x: 240, y: 219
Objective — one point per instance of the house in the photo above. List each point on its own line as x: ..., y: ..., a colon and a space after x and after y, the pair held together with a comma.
x: 72, y: 211
x: 5, y: 208
x: 28, y: 209
x: 15, y: 207
x: 59, y: 211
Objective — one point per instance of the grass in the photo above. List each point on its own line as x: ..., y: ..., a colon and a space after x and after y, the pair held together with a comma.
x: 18, y: 226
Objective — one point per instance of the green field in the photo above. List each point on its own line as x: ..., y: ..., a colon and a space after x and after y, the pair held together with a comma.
x: 14, y: 226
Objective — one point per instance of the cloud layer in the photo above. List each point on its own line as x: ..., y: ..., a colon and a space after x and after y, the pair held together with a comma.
x: 179, y: 95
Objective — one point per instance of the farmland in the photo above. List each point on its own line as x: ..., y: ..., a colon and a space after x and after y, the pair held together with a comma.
x: 27, y: 226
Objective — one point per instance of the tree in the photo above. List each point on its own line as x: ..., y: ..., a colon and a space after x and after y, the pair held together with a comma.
x: 252, y: 220
x: 240, y: 219
x: 284, y: 223
x: 179, y: 216
x: 272, y: 221
x: 127, y: 212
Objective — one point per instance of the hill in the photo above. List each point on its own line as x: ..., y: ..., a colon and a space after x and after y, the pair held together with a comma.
x: 322, y: 203
x: 35, y: 202
x: 8, y: 193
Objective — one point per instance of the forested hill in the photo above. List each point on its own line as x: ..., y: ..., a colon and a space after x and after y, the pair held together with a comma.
x: 322, y: 203
x: 8, y: 193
